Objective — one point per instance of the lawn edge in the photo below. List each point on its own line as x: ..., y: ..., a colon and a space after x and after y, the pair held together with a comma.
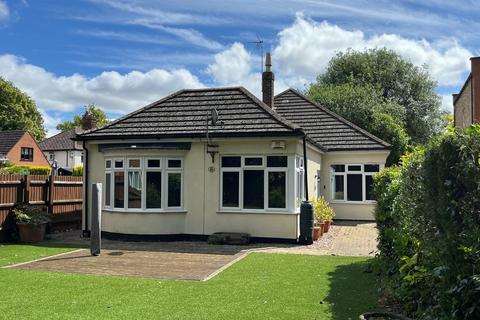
x: 242, y: 255
x: 40, y: 259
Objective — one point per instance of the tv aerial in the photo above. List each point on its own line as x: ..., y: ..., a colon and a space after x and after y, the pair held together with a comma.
x: 259, y: 44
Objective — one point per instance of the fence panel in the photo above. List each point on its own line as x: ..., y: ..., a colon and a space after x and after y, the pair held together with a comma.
x: 61, y: 194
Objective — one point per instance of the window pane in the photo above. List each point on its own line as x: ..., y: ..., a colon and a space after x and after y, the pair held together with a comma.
x: 154, y: 189
x: 369, y: 194
x: 174, y: 189
x: 253, y: 186
x: 118, y: 163
x: 276, y: 190
x: 338, y: 188
x: 134, y: 189
x: 119, y: 183
x: 230, y: 192
x: 175, y: 163
x: 277, y: 161
x: 230, y: 162
x: 107, y: 189
x: 355, y: 168
x: 134, y: 163
x: 354, y: 187
x: 372, y: 168
x: 257, y: 161
x: 108, y: 164
x: 338, y: 168
x: 153, y: 163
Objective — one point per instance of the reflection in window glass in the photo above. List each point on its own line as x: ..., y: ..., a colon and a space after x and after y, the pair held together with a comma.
x: 174, y: 189
x: 154, y: 190
x: 338, y: 168
x: 372, y: 168
x: 174, y: 163
x: 118, y: 185
x: 339, y: 193
x: 277, y: 161
x: 277, y: 190
x: 253, y: 184
x: 231, y: 162
x: 370, y: 195
x: 134, y: 163
x: 230, y: 192
x: 153, y: 163
x: 134, y: 189
x: 254, y: 161
x: 118, y: 163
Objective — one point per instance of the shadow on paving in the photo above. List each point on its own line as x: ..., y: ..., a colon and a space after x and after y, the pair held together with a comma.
x: 352, y: 291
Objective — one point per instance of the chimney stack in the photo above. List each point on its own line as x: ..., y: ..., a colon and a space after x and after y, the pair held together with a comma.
x: 268, y: 79
x: 89, y: 121
x: 475, y: 72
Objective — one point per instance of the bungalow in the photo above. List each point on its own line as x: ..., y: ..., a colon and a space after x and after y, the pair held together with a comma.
x: 220, y: 160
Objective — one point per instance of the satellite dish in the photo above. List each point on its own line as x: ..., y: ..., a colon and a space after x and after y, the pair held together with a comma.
x: 214, y: 116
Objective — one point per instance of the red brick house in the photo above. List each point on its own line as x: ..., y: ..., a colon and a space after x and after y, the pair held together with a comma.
x: 466, y: 103
x: 20, y: 148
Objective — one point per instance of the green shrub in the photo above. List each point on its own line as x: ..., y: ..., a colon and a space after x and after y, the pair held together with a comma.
x: 29, y: 214
x: 77, y: 171
x: 37, y: 170
x: 322, y: 210
x: 429, y: 228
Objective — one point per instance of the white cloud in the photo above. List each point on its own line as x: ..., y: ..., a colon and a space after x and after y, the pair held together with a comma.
x: 4, y: 11
x: 231, y: 65
x: 447, y: 102
x: 305, y: 48
x: 114, y: 92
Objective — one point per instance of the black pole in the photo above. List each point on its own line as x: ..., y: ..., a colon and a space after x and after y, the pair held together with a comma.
x: 86, y: 231
x: 305, y: 168
x: 306, y: 208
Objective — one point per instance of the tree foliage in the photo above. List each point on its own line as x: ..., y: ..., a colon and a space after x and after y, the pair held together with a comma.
x: 99, y: 114
x: 364, y: 106
x: 19, y: 112
x: 402, y: 87
x: 429, y: 228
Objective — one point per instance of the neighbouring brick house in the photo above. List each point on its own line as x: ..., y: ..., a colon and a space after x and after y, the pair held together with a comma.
x: 466, y: 103
x: 20, y: 148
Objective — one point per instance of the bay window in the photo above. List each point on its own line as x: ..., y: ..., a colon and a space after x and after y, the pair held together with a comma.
x: 353, y: 182
x: 254, y: 182
x: 138, y: 183
x: 299, y: 182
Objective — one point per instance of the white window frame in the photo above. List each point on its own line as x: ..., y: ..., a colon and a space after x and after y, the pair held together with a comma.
x: 266, y: 171
x: 299, y: 182
x: 345, y: 181
x: 163, y: 168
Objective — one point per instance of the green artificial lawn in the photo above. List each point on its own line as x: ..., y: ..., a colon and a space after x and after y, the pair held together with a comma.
x: 261, y: 286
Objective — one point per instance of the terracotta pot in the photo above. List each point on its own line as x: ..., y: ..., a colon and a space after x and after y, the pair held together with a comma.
x: 317, y: 232
x: 327, y: 226
x: 31, y: 232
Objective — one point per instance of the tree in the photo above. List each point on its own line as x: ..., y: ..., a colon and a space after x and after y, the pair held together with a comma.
x: 364, y: 106
x: 401, y: 85
x: 77, y: 119
x: 18, y: 111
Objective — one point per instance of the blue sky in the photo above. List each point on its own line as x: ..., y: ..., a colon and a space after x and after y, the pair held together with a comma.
x: 123, y: 54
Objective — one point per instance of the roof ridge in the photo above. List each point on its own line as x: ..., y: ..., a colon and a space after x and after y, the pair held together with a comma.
x: 269, y: 110
x: 128, y: 115
x: 338, y: 117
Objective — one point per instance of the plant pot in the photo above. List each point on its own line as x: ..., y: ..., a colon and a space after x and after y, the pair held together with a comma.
x: 317, y: 232
x: 31, y: 232
x: 327, y: 226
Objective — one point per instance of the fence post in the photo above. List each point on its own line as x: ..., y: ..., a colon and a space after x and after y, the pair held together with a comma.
x: 96, y: 224
x: 50, y: 186
x: 27, y: 189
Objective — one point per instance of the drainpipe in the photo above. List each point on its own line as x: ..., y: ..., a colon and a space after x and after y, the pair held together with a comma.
x: 306, y: 208
x: 86, y: 231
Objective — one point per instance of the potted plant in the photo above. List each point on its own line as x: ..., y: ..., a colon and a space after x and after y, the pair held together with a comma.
x: 318, y: 221
x: 31, y: 222
x: 326, y: 213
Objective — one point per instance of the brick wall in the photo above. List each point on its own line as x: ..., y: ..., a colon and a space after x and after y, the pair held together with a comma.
x: 27, y: 141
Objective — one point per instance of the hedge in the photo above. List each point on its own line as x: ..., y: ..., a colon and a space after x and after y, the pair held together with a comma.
x: 428, y: 216
x: 39, y: 170
x: 77, y: 171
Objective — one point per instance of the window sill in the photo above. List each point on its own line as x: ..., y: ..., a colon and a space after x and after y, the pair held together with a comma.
x: 353, y: 202
x: 109, y: 210
x: 262, y: 212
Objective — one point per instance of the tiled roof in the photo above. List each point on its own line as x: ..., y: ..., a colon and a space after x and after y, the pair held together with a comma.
x: 8, y: 139
x: 328, y: 130
x: 61, y: 141
x: 184, y: 114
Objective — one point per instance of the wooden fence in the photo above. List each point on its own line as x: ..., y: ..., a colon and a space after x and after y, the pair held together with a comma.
x: 61, y: 194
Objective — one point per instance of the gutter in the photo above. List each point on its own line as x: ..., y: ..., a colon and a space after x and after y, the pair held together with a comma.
x: 86, y: 231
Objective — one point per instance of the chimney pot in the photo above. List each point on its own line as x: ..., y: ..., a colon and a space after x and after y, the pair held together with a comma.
x: 268, y: 79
